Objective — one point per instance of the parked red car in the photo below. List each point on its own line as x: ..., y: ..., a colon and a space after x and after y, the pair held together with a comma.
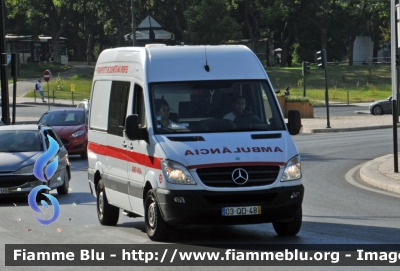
x: 70, y: 125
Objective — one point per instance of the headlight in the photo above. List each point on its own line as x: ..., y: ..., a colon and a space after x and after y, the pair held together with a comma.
x: 293, y: 170
x: 176, y: 173
x: 25, y: 170
x: 77, y: 133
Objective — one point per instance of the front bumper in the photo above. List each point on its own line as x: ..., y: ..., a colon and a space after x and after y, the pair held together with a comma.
x: 204, y: 207
x: 17, y: 184
x: 76, y: 145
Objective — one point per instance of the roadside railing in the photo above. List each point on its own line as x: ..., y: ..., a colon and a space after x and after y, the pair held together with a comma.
x: 52, y: 95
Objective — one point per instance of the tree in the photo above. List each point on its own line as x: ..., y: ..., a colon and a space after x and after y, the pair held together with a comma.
x: 59, y: 14
x: 209, y: 22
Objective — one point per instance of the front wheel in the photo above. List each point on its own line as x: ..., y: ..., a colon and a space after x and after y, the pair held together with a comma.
x: 157, y: 229
x: 291, y: 227
x: 106, y: 213
x: 377, y: 110
x: 63, y: 190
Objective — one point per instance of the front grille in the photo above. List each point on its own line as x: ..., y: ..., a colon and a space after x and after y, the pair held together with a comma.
x: 64, y: 141
x: 222, y: 176
x: 12, y: 181
x: 77, y: 147
x: 241, y: 198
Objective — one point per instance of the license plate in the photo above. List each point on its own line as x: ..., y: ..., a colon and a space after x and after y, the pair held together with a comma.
x: 5, y: 190
x: 246, y: 210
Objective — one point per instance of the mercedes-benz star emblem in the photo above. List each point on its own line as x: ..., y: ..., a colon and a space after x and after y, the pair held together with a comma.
x: 240, y: 176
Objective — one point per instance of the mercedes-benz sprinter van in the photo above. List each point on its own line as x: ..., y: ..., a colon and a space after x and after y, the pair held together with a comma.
x: 185, y: 135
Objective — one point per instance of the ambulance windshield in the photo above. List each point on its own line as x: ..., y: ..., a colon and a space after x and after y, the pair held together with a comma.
x: 214, y: 106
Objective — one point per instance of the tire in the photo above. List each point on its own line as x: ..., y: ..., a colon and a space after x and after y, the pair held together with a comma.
x: 84, y: 155
x: 63, y: 190
x: 289, y: 228
x: 157, y: 229
x: 377, y: 110
x: 106, y: 213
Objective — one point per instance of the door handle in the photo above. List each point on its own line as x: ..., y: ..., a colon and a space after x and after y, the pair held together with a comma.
x: 131, y: 146
x: 124, y: 144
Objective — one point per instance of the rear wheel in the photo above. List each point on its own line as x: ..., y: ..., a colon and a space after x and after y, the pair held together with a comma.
x: 106, y: 213
x: 291, y: 227
x: 157, y: 229
x: 377, y: 110
x: 63, y: 190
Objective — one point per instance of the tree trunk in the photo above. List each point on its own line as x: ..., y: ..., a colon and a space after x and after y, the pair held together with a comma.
x: 286, y: 43
x: 351, y: 50
x: 89, y: 50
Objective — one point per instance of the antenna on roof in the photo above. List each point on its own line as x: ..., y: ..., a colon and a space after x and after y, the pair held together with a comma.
x: 206, y: 66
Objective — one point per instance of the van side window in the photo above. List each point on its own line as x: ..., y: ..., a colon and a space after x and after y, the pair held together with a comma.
x: 117, y: 108
x: 139, y: 108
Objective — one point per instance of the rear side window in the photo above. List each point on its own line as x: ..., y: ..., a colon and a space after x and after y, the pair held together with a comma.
x: 118, y: 107
x: 100, y: 103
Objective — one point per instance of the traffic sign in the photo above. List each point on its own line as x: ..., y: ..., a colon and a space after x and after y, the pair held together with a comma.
x: 47, y: 75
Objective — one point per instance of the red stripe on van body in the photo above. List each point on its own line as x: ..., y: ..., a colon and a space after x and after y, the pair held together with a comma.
x: 125, y: 155
x: 237, y: 164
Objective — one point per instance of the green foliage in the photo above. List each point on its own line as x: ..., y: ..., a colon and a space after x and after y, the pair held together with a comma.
x: 299, y: 27
x: 60, y: 86
x: 35, y: 70
x: 344, y: 82
x: 297, y: 99
x: 209, y: 22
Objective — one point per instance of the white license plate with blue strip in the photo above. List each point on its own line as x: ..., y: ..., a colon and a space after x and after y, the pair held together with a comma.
x: 245, y: 210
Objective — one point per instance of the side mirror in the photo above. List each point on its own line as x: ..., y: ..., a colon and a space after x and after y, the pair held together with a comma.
x: 133, y: 131
x: 294, y: 122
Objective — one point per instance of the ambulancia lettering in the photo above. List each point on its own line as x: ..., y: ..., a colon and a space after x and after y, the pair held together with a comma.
x: 112, y: 69
x: 235, y: 150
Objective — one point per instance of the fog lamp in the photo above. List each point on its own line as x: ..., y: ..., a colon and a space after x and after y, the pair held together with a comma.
x: 179, y: 199
x: 295, y: 195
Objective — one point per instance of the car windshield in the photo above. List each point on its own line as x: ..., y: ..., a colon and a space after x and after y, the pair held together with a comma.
x: 214, y: 106
x: 20, y: 141
x: 63, y: 118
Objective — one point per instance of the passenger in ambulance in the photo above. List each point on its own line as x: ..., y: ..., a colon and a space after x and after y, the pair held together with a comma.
x: 239, y: 104
x: 163, y: 116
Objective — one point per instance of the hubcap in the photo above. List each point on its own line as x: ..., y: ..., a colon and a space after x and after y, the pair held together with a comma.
x: 152, y: 215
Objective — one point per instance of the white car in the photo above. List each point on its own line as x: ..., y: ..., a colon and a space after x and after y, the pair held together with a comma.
x: 85, y: 103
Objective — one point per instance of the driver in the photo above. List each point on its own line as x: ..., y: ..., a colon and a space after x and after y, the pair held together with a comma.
x: 163, y: 115
x: 239, y: 104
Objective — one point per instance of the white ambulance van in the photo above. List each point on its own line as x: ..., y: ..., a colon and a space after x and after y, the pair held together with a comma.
x: 188, y: 135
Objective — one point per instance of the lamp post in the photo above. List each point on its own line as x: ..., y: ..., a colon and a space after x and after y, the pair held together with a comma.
x: 133, y: 23
x: 394, y: 81
x: 5, y: 110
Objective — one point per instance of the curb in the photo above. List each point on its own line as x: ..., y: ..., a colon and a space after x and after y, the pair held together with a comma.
x: 51, y: 104
x: 333, y: 130
x: 369, y: 173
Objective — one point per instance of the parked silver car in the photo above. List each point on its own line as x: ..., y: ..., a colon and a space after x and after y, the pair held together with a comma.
x: 20, y: 147
x: 381, y: 107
